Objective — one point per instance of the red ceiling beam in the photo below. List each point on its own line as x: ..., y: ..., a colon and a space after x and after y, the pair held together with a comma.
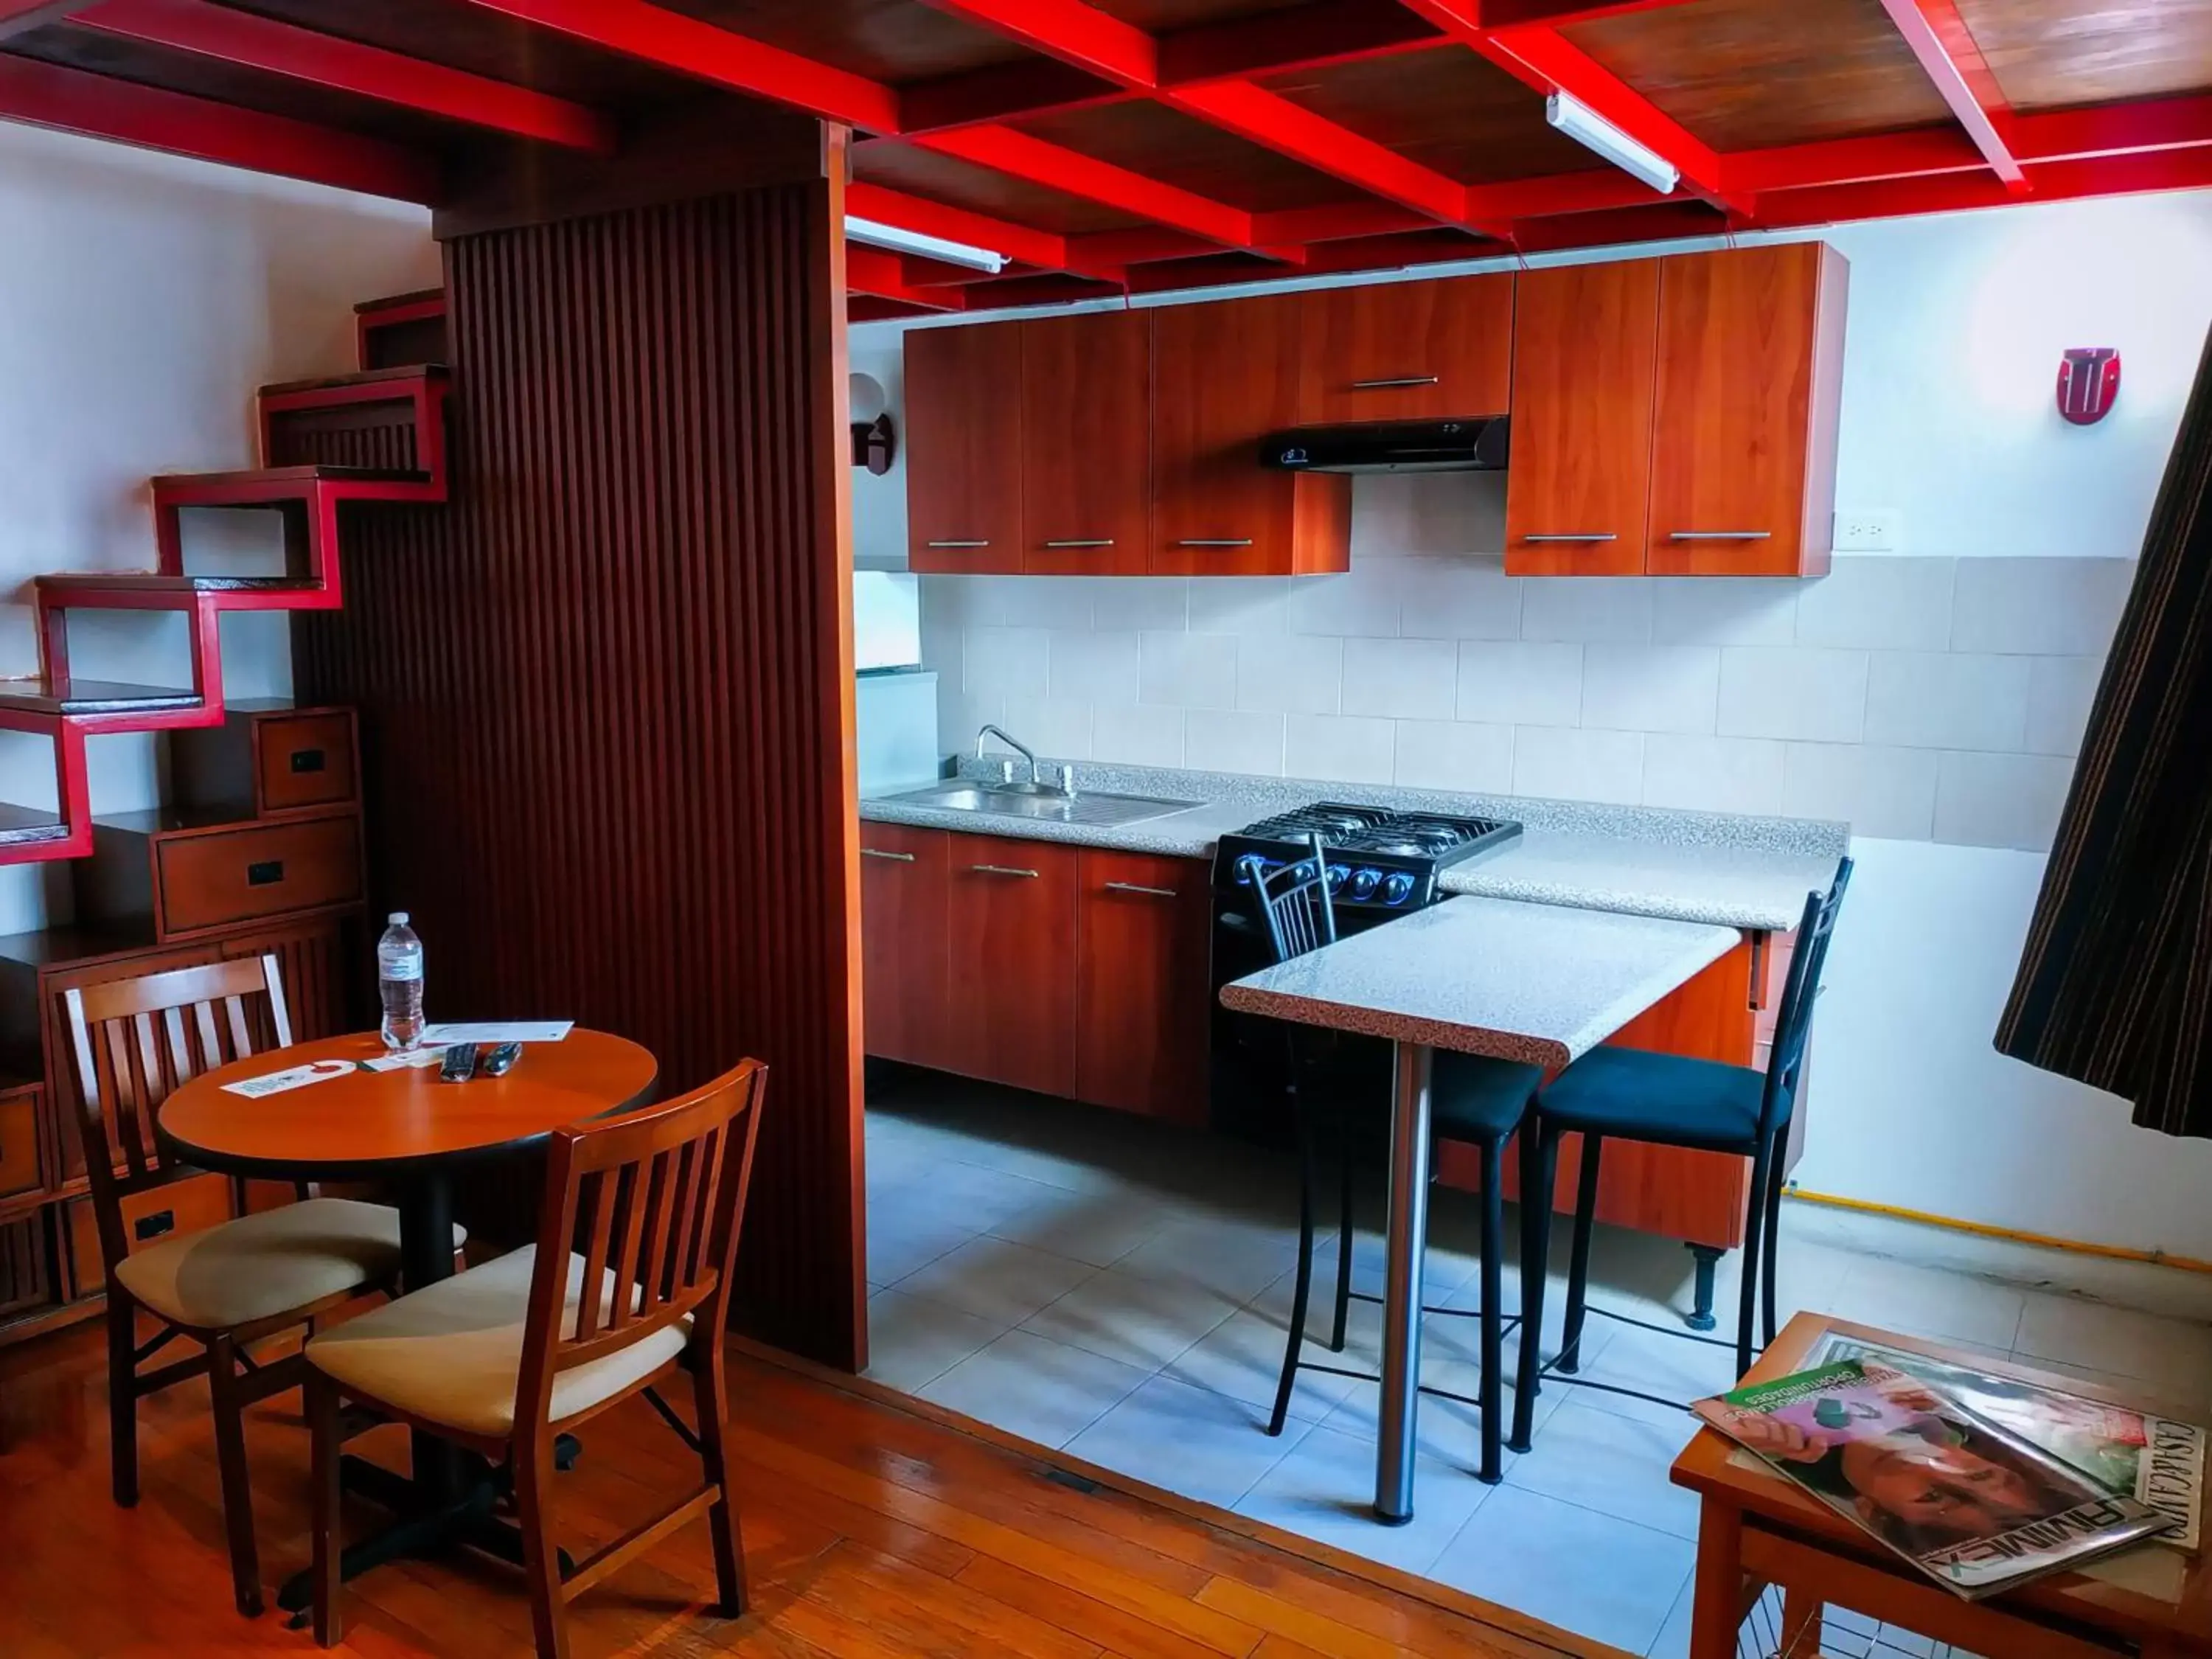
x: 1309, y: 37
x: 101, y: 106
x: 1072, y: 174
x: 20, y: 16
x: 2052, y: 181
x: 325, y: 60
x: 883, y: 275
x: 1851, y: 161
x: 670, y: 40
x: 2114, y: 130
x: 1940, y: 40
x: 1553, y: 14
x: 928, y: 218
x: 1097, y: 42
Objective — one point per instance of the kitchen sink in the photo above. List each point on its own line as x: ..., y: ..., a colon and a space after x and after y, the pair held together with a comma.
x: 1092, y: 807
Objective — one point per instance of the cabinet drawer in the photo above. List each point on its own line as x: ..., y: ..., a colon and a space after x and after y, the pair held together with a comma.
x: 25, y: 1280
x: 303, y: 760
x: 19, y: 1141
x: 215, y: 877
x: 189, y: 1206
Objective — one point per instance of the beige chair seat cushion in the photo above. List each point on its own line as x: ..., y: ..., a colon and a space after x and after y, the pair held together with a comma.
x: 262, y: 1265
x: 451, y: 1353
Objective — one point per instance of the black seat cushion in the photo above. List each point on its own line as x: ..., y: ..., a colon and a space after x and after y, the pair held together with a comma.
x: 1479, y: 1100
x: 1670, y: 1099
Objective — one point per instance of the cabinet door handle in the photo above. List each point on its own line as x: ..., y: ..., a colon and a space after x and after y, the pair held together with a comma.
x: 1396, y: 381
x: 1001, y: 870
x: 1721, y: 535
x: 1103, y: 541
x: 1133, y: 887
x: 879, y: 852
x: 1574, y: 536
x: 956, y: 543
x: 1215, y: 541
x: 306, y: 760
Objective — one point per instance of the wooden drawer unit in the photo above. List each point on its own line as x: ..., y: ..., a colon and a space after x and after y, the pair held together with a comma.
x: 189, y: 1205
x: 190, y: 878
x: 27, y: 1279
x: 20, y: 1168
x: 266, y: 758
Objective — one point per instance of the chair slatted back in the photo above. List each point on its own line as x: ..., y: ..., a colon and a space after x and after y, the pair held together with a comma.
x: 135, y: 1041
x: 1793, y: 1021
x: 1294, y: 902
x: 655, y: 1198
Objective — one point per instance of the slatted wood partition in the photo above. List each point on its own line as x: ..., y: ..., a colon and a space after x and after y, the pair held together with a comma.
x: 605, y: 694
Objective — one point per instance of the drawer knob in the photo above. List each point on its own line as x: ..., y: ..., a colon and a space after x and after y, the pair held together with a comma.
x: 307, y: 760
x: 267, y: 872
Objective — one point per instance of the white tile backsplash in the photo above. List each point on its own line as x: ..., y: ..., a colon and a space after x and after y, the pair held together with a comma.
x: 1403, y: 679
x: 1651, y: 688
x: 1575, y: 765
x: 1297, y: 674
x: 1947, y: 699
x: 1226, y: 740
x: 1770, y: 692
x: 1455, y: 755
x: 1915, y: 697
x: 1337, y: 746
x: 1190, y: 671
x: 1521, y: 682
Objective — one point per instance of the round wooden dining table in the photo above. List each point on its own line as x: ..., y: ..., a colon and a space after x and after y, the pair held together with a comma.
x: 409, y: 1130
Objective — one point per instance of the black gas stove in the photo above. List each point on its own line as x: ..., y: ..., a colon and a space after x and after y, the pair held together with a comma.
x: 1381, y: 866
x: 1377, y: 860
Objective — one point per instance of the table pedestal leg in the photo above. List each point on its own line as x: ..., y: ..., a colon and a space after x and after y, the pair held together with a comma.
x: 1402, y: 1302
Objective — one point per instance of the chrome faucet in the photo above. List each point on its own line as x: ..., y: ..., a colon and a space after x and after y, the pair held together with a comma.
x: 1066, y: 786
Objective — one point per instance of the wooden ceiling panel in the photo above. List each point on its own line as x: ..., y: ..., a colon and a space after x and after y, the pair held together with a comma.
x: 208, y: 77
x: 1747, y: 74
x: 962, y: 184
x: 1177, y: 150
x: 482, y: 42
x: 1162, y: 16
x: 2050, y: 54
x: 893, y: 41
x: 1448, y: 110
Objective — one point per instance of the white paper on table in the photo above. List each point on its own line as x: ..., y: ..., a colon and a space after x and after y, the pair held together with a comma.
x: 293, y: 1076
x: 500, y: 1031
x: 413, y: 1059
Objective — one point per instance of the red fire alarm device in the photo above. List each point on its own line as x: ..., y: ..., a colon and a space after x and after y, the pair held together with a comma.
x: 2088, y: 384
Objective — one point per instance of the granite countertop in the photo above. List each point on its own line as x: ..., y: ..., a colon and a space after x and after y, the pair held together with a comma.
x: 1533, y: 982
x: 1720, y: 869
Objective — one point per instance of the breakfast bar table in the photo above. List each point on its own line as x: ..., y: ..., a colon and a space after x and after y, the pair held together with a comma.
x: 1539, y: 983
x: 405, y: 1127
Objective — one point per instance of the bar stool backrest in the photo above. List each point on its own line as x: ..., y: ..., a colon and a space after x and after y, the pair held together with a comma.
x: 1294, y: 902
x: 1793, y: 1024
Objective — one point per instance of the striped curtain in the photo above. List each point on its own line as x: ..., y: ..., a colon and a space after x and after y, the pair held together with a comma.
x: 2115, y: 986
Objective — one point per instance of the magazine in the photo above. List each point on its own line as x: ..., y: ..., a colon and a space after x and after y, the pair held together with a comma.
x: 1973, y: 1505
x: 2126, y: 1453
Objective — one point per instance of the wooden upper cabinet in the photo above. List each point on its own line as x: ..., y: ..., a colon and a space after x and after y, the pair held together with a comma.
x: 963, y: 466
x: 1749, y: 384
x: 1086, y: 444
x: 1225, y: 375
x: 1584, y: 357
x: 1407, y: 351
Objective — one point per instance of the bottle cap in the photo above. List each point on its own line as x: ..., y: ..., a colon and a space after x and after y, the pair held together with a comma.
x: 397, y: 919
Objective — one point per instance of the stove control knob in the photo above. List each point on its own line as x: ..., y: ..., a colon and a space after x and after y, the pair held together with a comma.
x: 1364, y: 882
x: 1396, y: 886
x: 1337, y: 873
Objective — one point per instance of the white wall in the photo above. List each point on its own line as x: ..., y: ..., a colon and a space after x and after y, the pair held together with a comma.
x: 142, y: 298
x: 1970, y: 657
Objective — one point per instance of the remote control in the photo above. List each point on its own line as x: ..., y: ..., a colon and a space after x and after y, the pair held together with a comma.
x: 500, y: 1061
x: 460, y: 1063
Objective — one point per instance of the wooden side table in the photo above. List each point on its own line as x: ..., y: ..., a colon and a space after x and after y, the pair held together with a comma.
x: 1757, y: 1531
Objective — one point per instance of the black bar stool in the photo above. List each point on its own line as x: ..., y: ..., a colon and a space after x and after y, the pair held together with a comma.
x: 1474, y: 1101
x: 1667, y: 1100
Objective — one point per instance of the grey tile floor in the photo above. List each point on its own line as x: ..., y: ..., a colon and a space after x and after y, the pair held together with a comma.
x: 1122, y: 1288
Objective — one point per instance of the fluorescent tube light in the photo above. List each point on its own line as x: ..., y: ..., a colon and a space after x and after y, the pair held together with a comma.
x: 1592, y: 130
x: 934, y: 247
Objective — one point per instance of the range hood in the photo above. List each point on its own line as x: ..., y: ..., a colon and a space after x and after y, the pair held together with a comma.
x: 1475, y: 445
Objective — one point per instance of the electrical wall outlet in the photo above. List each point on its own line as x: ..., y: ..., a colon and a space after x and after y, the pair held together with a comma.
x: 1868, y: 531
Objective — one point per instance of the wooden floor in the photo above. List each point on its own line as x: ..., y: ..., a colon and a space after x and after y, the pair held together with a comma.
x: 871, y: 1529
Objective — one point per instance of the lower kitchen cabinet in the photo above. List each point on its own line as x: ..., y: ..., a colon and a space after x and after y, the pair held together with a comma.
x: 1011, y: 962
x: 904, y: 913
x: 1143, y: 931
x: 1073, y: 972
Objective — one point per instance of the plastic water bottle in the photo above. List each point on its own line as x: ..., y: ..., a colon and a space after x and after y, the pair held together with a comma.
x: 399, y: 983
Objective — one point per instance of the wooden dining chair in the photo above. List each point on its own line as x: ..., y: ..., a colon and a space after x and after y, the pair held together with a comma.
x: 501, y: 1358
x: 227, y: 1286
